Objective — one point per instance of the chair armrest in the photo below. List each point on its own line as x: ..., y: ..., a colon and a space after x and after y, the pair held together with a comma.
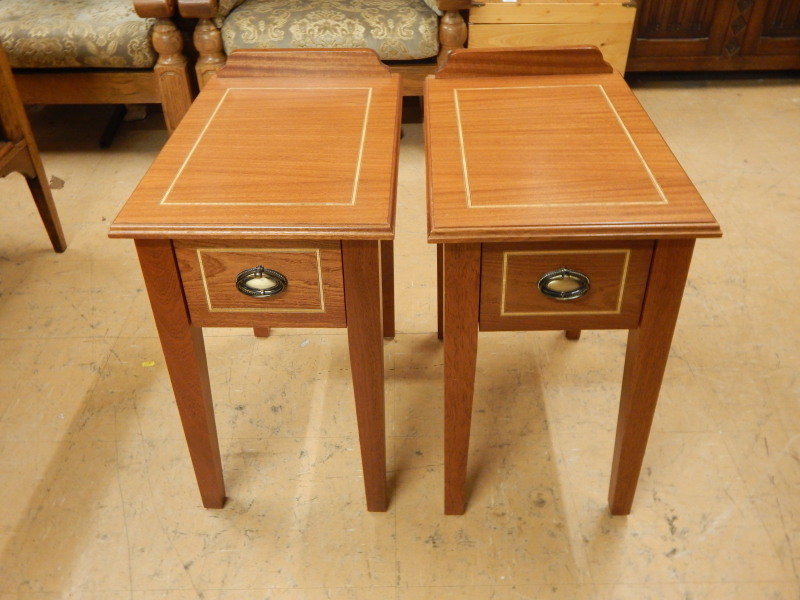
x: 198, y: 9
x: 154, y: 9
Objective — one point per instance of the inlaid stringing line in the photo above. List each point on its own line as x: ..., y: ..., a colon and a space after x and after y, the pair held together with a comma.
x: 467, y: 190
x: 194, y: 147
x: 635, y: 147
x: 213, y: 115
x: 361, y: 147
x: 462, y: 148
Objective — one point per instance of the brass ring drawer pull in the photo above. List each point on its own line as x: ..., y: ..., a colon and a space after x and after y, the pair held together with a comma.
x: 259, y: 282
x: 564, y: 284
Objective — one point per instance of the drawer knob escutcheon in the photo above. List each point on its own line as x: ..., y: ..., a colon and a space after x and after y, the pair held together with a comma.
x: 564, y: 284
x: 259, y: 282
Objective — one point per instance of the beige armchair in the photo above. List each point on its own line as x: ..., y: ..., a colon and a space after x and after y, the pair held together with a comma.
x: 408, y: 35
x: 97, y: 52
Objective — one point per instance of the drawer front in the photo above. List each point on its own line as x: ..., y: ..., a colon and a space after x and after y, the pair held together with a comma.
x: 313, y: 295
x: 613, y: 39
x: 511, y: 298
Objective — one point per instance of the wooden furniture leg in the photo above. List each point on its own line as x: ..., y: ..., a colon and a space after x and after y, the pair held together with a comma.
x: 185, y: 356
x: 462, y: 263
x: 43, y: 197
x: 261, y: 332
x: 452, y: 32
x: 439, y: 290
x: 112, y: 127
x: 19, y: 153
x: 172, y: 70
x: 361, y: 262
x: 210, y: 55
x: 573, y: 334
x: 387, y: 287
x: 645, y: 361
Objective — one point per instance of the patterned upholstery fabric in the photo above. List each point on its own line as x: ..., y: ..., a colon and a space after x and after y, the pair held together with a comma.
x: 75, y: 33
x: 434, y: 6
x: 224, y: 8
x: 395, y: 29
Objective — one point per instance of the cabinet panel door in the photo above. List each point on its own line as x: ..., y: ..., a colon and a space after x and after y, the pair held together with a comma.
x: 782, y: 19
x: 774, y: 29
x: 676, y: 19
x: 716, y: 35
x: 673, y: 28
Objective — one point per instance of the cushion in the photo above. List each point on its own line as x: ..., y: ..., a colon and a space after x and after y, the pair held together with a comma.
x: 395, y: 29
x: 224, y: 8
x: 434, y: 6
x: 75, y: 33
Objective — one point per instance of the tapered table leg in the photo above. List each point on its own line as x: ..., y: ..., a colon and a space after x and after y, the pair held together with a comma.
x: 461, y: 289
x: 440, y: 290
x: 645, y: 361
x: 387, y: 282
x: 361, y: 262
x: 185, y: 355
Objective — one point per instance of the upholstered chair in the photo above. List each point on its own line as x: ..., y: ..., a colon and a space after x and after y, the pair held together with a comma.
x: 408, y: 35
x: 97, y: 52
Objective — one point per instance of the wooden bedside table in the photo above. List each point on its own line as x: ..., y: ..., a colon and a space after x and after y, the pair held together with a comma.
x: 558, y: 206
x: 272, y: 205
x: 607, y: 24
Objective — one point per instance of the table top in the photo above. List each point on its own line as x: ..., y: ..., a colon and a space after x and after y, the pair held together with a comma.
x: 561, y: 157
x: 276, y: 157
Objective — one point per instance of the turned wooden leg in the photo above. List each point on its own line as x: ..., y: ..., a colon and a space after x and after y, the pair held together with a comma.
x: 185, y: 356
x: 573, y: 334
x: 461, y: 292
x: 387, y: 287
x: 211, y: 56
x: 645, y: 361
x: 172, y: 70
x: 452, y: 33
x: 361, y: 261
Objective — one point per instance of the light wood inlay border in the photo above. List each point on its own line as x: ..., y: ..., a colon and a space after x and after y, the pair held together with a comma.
x: 265, y: 308
x: 225, y: 95
x: 611, y: 106
x: 616, y: 311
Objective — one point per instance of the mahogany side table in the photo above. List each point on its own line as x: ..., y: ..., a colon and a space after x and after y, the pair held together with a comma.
x: 272, y: 205
x: 556, y: 205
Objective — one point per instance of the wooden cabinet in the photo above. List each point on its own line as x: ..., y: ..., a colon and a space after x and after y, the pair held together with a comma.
x: 716, y: 35
x: 606, y: 24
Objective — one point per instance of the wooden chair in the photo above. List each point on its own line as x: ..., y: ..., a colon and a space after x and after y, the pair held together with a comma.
x: 100, y: 52
x: 410, y: 36
x: 511, y: 62
x: 18, y: 153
